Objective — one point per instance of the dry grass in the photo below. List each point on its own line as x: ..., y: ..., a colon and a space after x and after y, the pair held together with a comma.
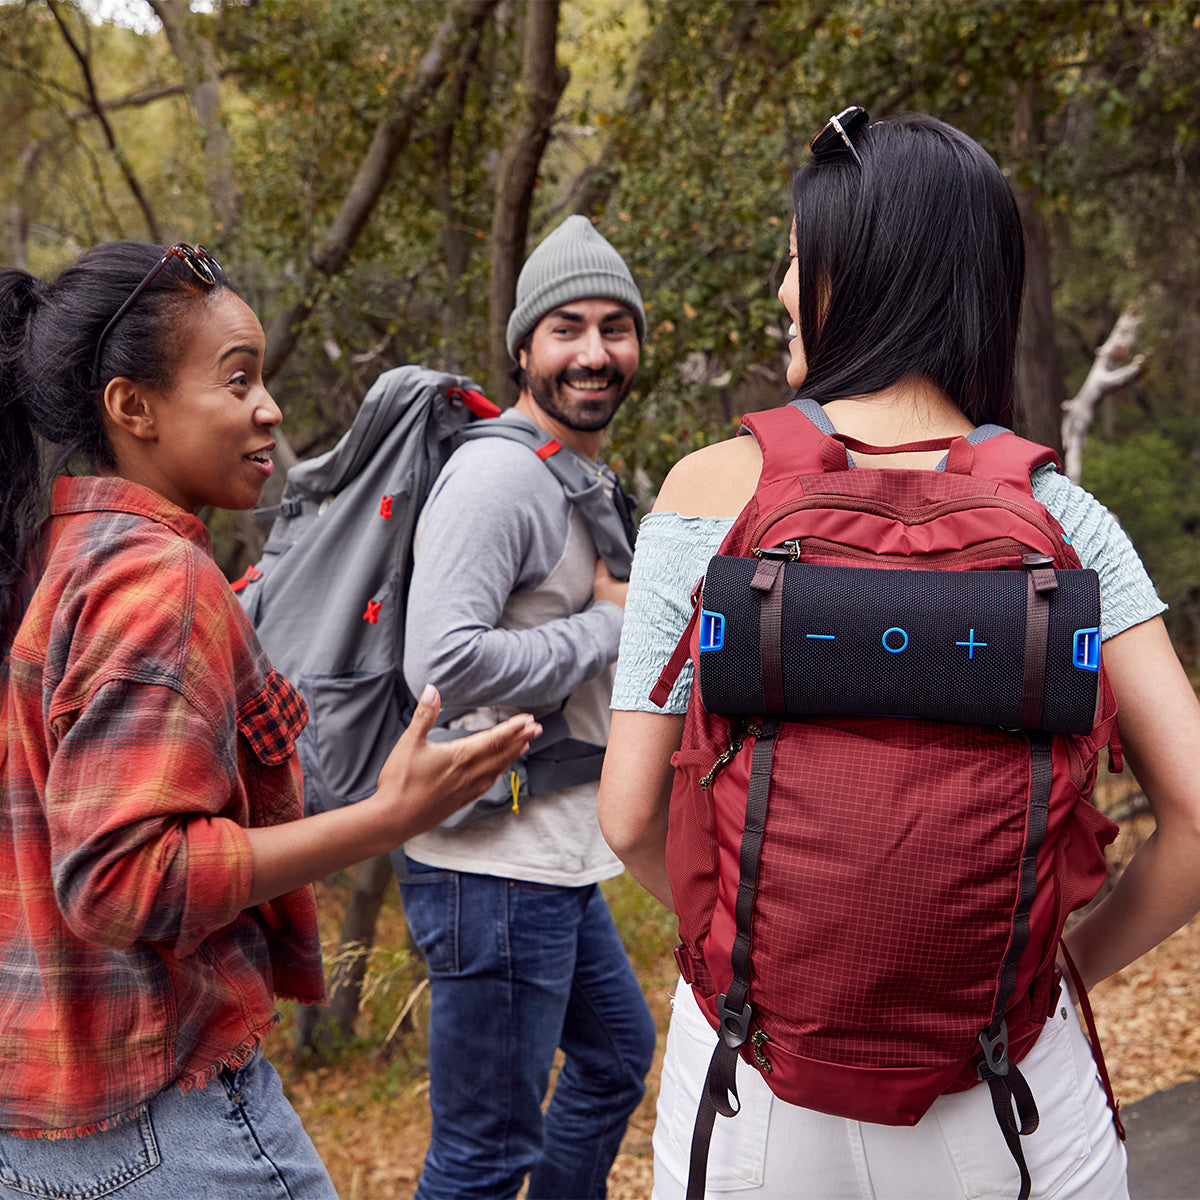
x: 366, y: 1107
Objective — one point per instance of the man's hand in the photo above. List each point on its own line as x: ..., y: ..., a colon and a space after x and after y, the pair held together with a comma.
x: 605, y: 587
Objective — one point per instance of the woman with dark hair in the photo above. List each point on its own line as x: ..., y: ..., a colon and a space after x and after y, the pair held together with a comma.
x: 903, y: 287
x: 154, y: 863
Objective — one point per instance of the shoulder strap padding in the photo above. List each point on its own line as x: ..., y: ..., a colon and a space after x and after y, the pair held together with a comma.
x: 590, y: 486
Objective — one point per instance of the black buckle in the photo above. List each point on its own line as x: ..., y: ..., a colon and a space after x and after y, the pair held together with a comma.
x: 735, y: 1026
x: 995, y: 1051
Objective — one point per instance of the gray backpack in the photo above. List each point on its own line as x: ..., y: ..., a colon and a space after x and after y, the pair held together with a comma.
x: 328, y: 595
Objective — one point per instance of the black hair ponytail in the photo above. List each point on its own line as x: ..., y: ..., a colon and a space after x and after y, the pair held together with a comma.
x: 22, y: 489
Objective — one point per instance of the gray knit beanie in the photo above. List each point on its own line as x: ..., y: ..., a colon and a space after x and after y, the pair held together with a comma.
x: 574, y: 262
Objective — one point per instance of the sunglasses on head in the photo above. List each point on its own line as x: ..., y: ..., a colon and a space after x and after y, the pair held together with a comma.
x: 202, y: 265
x: 835, y: 136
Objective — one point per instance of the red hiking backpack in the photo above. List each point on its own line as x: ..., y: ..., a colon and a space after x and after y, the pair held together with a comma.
x: 869, y: 906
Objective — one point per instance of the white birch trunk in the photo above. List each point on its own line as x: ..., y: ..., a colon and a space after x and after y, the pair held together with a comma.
x: 1113, y: 367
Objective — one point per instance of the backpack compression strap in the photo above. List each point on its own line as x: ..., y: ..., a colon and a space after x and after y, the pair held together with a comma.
x: 733, y: 1007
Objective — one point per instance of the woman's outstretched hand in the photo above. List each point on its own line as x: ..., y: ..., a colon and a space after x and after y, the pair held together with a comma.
x: 421, y: 784
x: 427, y: 781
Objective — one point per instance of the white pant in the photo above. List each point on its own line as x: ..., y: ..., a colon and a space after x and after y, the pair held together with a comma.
x: 778, y: 1150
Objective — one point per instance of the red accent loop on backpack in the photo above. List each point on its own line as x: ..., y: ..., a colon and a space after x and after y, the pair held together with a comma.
x: 546, y: 449
x: 252, y: 573
x: 833, y: 454
x: 477, y: 402
x: 960, y: 458
x: 371, y: 616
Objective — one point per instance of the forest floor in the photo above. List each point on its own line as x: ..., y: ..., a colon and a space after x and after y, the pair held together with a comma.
x: 366, y: 1107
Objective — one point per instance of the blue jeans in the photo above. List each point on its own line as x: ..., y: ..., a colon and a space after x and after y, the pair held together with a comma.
x: 517, y: 970
x: 237, y: 1137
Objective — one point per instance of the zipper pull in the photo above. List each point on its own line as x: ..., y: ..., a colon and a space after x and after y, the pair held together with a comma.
x: 723, y: 759
x: 736, y: 741
x: 788, y: 552
x: 756, y: 1047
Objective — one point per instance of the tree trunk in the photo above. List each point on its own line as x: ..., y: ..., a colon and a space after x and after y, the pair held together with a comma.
x: 20, y: 207
x: 315, y: 1025
x: 1040, y: 385
x: 542, y: 84
x: 458, y: 244
x: 195, y: 55
x: 1114, y: 366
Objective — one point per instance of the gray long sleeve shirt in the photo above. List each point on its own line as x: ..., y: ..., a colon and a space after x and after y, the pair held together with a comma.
x: 501, y: 619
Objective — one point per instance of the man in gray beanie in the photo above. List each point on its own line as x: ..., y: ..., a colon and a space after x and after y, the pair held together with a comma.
x: 511, y: 608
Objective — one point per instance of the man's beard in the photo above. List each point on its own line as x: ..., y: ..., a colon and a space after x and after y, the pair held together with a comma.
x: 584, y: 416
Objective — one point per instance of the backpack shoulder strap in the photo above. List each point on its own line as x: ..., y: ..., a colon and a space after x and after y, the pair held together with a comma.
x: 794, y: 439
x: 586, y: 485
x: 999, y: 454
x: 799, y: 439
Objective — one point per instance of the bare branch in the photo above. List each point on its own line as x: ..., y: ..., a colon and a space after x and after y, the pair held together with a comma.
x: 137, y: 99
x: 391, y: 136
x: 126, y: 169
x: 1114, y: 366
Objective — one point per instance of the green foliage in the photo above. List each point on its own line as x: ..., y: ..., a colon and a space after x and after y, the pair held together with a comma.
x: 1147, y: 475
x: 648, y: 931
x: 679, y: 132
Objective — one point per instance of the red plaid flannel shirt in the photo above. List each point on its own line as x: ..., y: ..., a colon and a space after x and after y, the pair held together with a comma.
x: 144, y: 731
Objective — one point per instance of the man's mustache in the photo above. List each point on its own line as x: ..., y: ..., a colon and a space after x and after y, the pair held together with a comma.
x: 587, y: 375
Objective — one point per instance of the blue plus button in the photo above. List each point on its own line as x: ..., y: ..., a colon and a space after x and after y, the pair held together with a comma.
x: 970, y: 644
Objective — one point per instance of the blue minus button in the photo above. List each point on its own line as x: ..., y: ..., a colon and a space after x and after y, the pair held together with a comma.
x: 1087, y: 649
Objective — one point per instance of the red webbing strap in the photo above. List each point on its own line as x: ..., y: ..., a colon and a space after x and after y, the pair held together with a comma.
x: 548, y: 448
x: 477, y: 402
x: 251, y: 575
x: 960, y: 458
x: 903, y: 448
x: 683, y: 649
x: 1085, y: 1006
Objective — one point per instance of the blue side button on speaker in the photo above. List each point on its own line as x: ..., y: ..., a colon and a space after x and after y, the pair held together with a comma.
x: 712, y: 630
x: 1087, y: 649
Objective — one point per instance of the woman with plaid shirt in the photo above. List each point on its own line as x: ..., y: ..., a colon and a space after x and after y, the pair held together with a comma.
x: 154, y: 862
